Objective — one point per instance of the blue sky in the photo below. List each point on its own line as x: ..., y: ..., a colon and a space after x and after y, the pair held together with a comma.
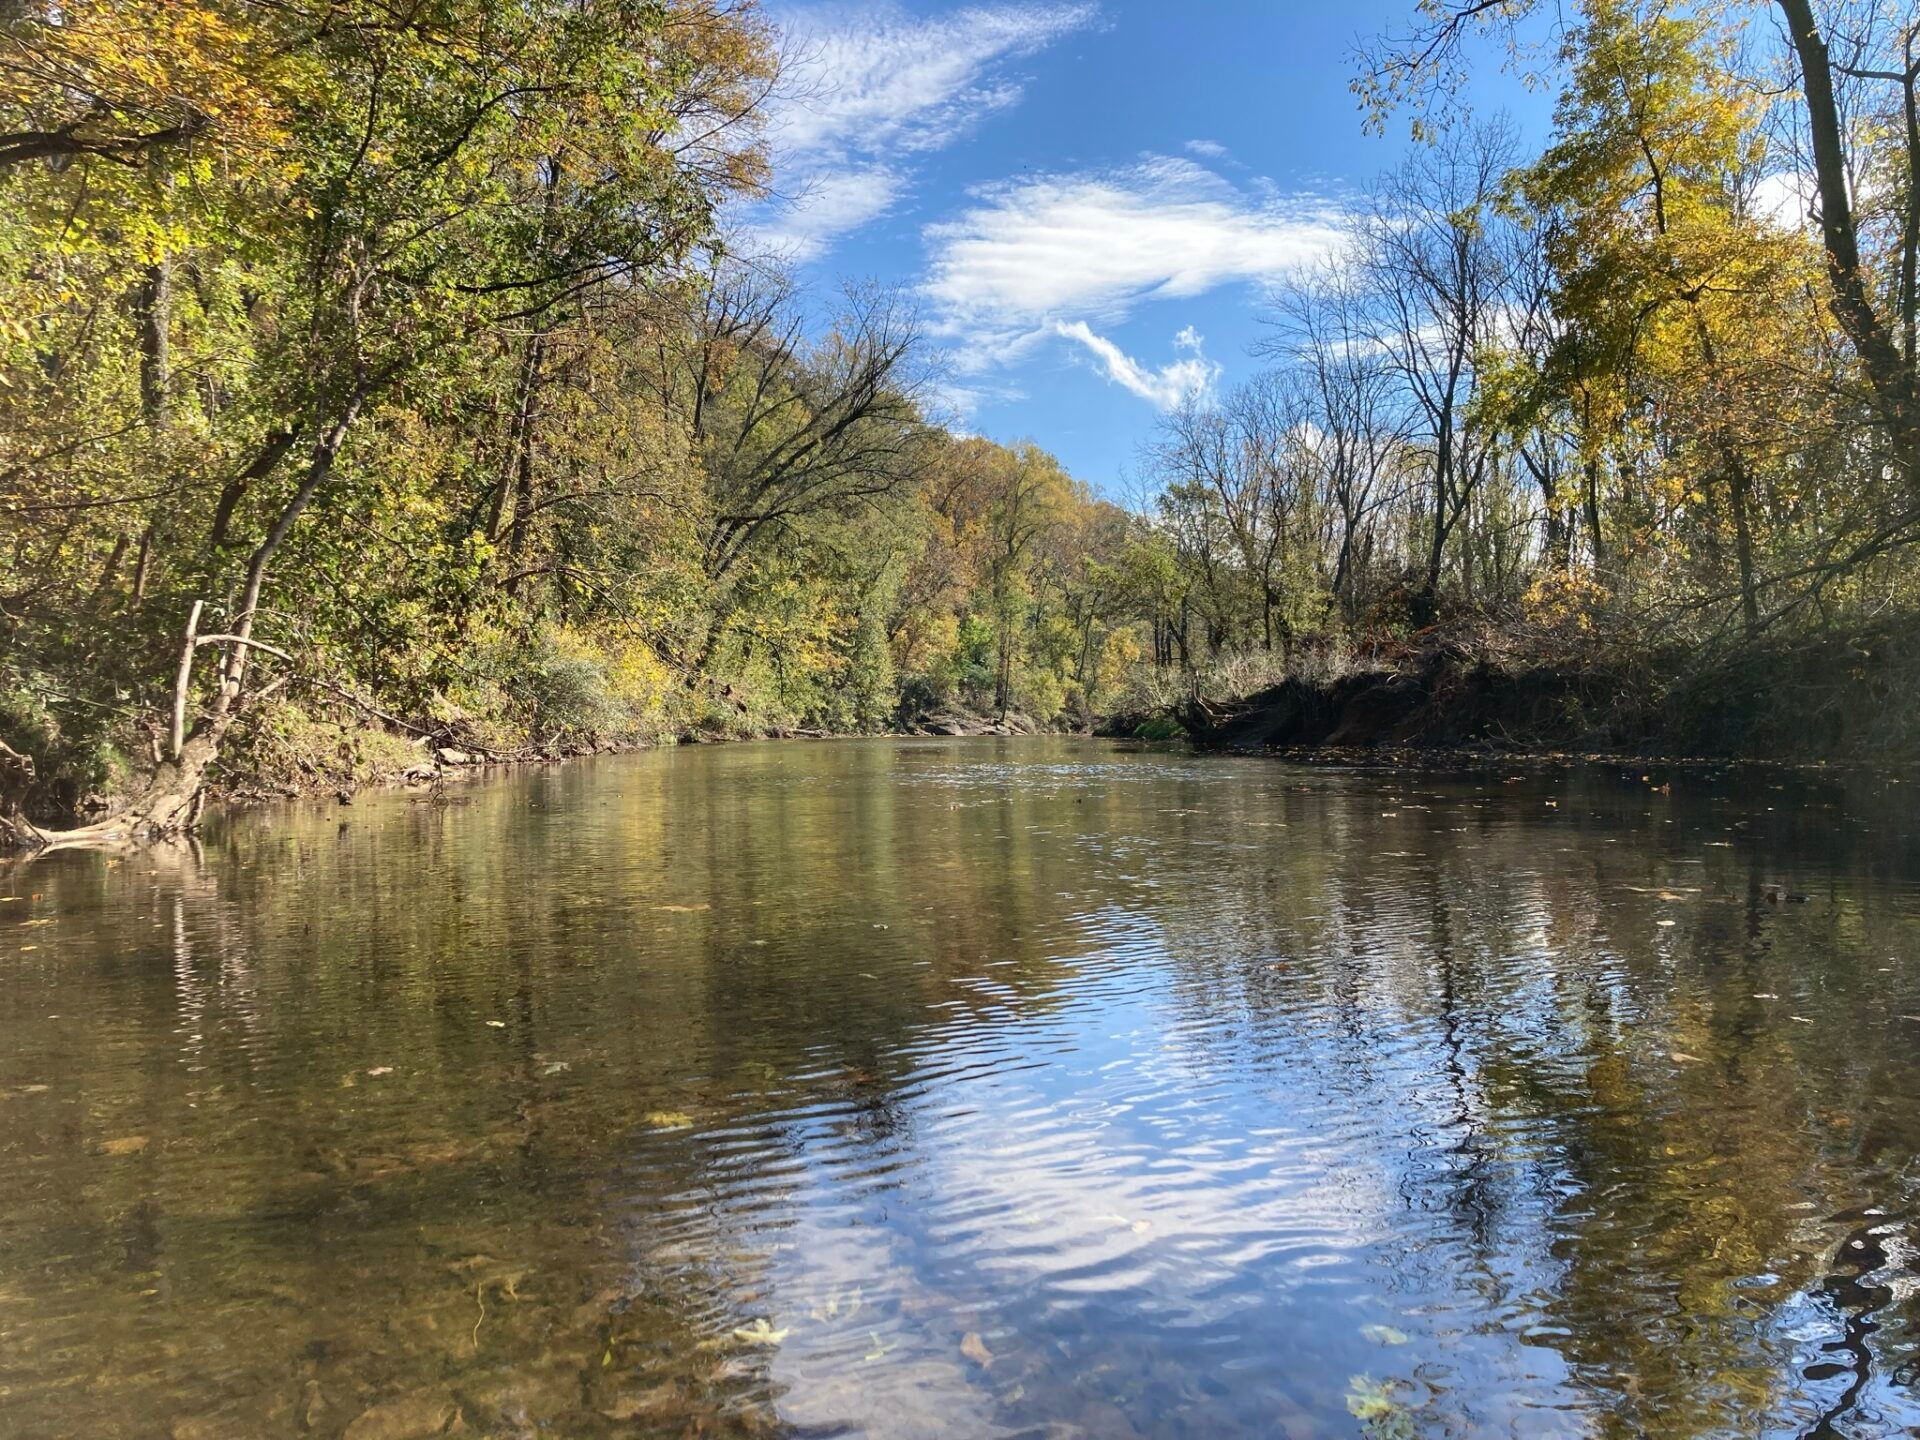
x: 1087, y: 199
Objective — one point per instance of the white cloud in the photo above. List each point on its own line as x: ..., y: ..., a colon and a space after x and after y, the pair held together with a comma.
x: 1207, y: 149
x: 1163, y: 388
x: 869, y: 88
x: 874, y: 78
x: 1787, y: 198
x: 1093, y: 245
x: 1058, y: 255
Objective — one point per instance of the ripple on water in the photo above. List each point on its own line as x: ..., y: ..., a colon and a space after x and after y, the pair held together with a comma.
x: 969, y: 1088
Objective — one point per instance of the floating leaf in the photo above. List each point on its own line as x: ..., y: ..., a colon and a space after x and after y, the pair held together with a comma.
x: 1382, y: 1414
x: 381, y: 1070
x: 125, y: 1145
x: 669, y: 1119
x: 880, y: 1347
x: 1384, y: 1334
x: 1373, y: 1404
x: 975, y: 1349
x: 839, y: 1301
x: 760, y: 1332
x: 1369, y: 1399
x: 683, y: 909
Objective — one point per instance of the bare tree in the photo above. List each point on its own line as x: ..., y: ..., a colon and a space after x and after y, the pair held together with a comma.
x: 783, y: 427
x: 1328, y: 333
x: 1441, y: 267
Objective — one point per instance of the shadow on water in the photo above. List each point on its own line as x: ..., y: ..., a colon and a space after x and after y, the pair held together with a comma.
x: 973, y: 1088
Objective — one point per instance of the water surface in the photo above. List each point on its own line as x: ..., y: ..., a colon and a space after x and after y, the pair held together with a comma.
x: 972, y: 1088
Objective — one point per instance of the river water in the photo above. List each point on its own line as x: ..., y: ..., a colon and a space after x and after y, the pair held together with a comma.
x: 973, y: 1088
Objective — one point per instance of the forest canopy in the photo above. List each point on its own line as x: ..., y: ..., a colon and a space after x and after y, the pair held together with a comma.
x: 374, y: 369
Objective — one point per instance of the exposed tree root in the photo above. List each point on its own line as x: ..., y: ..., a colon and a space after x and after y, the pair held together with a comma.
x: 167, y: 808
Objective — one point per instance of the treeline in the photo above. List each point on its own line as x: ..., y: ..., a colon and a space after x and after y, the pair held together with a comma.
x: 1643, y: 401
x: 374, y: 363
x: 364, y: 362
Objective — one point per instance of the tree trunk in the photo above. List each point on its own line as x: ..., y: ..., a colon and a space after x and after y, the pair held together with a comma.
x: 1739, y: 488
x: 516, y: 476
x: 111, y: 570
x: 1595, y: 540
x: 154, y: 302
x: 1003, y: 671
x: 141, y: 563
x: 1890, y: 375
x: 1910, y: 232
x: 168, y: 807
x: 319, y: 467
x: 235, y: 490
x: 170, y: 802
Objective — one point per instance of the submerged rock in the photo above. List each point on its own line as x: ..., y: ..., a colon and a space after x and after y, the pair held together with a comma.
x: 419, y: 1416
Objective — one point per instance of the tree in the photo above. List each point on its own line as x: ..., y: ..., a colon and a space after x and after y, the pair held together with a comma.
x: 1327, y: 331
x: 1441, y: 259
x: 784, y: 430
x: 1855, y: 118
x: 420, y: 187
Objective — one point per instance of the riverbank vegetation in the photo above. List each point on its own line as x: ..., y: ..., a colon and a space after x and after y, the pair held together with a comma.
x: 395, y: 371
x: 371, y: 363
x: 1631, y: 419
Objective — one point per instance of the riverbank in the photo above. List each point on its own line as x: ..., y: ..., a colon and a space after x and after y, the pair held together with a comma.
x: 1446, y: 695
x: 300, y: 755
x: 1830, y: 697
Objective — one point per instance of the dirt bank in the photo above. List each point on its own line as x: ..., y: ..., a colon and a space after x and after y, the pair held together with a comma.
x: 1814, y: 698
x: 1439, y: 707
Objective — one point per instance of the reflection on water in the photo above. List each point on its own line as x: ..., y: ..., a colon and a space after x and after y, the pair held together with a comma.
x: 971, y: 1088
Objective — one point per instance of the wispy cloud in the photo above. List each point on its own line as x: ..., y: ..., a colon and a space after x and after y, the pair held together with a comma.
x: 1207, y: 149
x: 1059, y: 255
x: 1163, y: 387
x: 828, y: 205
x: 869, y: 89
x: 1094, y: 245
